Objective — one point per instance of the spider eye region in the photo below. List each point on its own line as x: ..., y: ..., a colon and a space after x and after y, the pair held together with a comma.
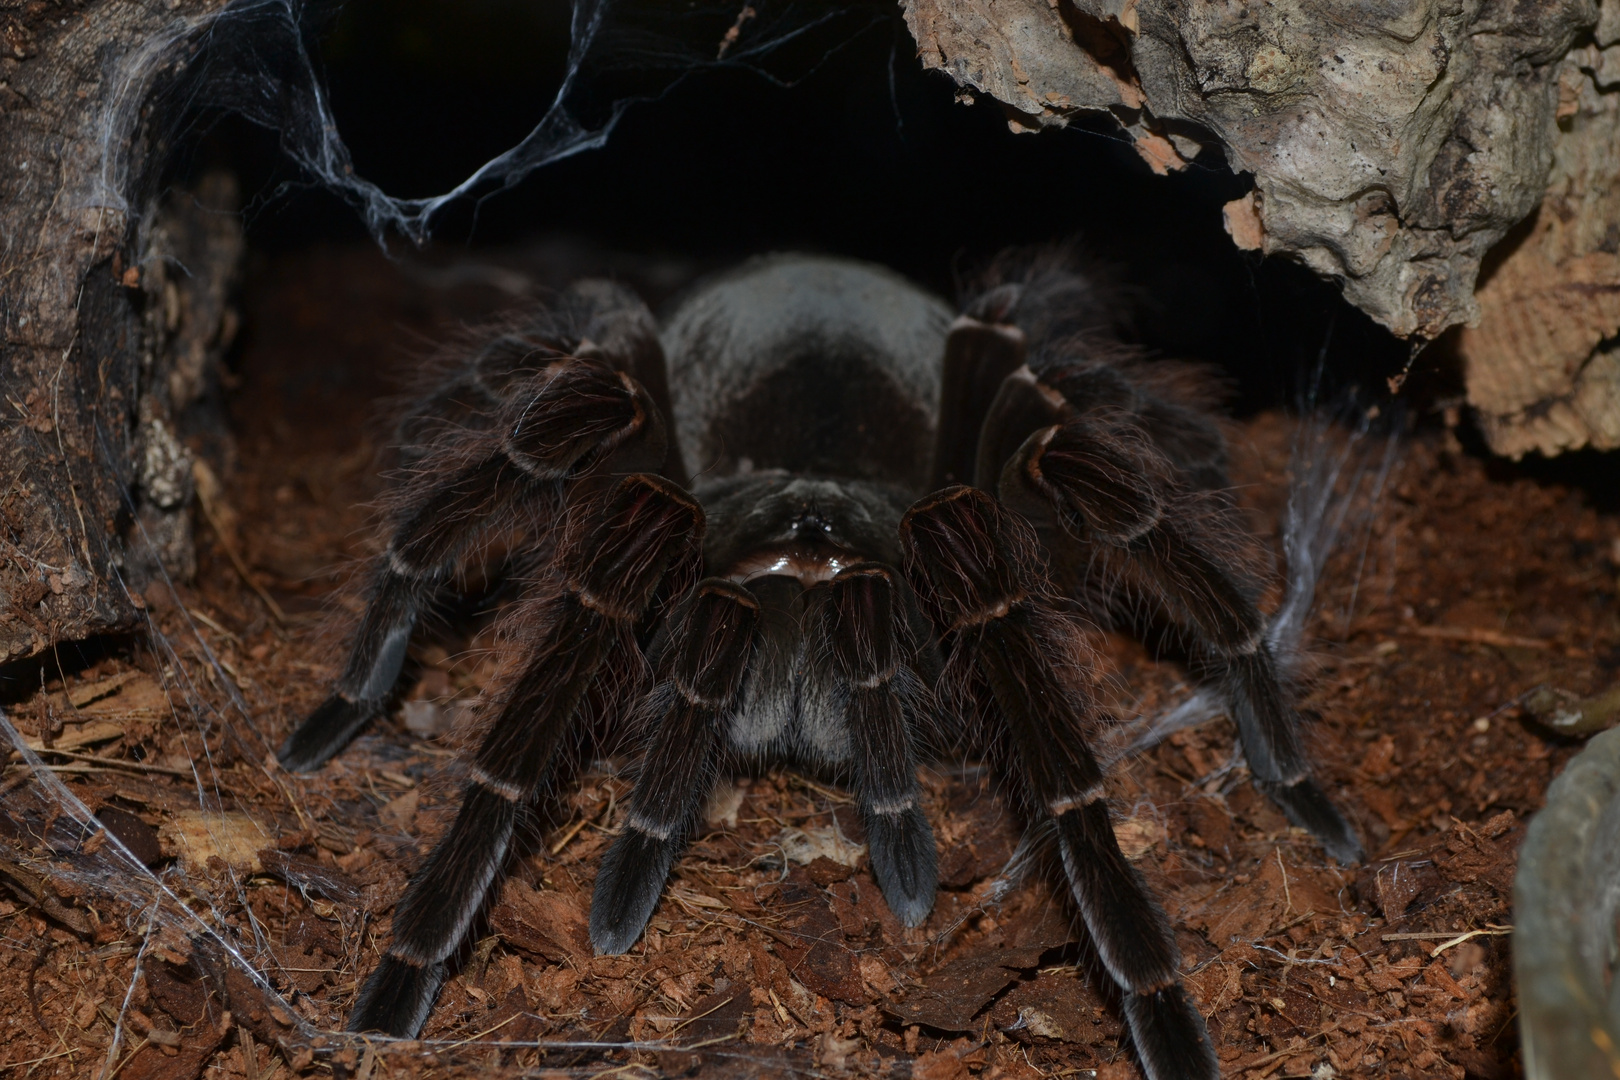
x: 811, y: 524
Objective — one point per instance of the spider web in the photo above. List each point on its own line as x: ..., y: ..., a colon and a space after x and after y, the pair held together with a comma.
x: 258, y: 59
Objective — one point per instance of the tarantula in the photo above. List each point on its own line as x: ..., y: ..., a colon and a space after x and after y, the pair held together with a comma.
x: 901, y: 526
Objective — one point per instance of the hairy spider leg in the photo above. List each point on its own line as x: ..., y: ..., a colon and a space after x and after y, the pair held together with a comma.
x: 1111, y: 489
x: 977, y: 566
x: 647, y: 538
x: 859, y: 635
x: 570, y: 418
x: 978, y: 357
x: 402, y: 584
x: 593, y: 318
x: 1192, y: 441
x: 686, y: 711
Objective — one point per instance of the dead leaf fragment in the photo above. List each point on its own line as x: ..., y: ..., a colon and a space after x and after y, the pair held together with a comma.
x: 951, y: 997
x: 74, y: 736
x: 805, y: 846
x: 1137, y: 835
x: 545, y: 923
x: 401, y: 812
x: 140, y: 697
x: 80, y: 696
x: 196, y: 836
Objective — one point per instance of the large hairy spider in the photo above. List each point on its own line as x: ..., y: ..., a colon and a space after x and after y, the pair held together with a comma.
x: 900, y: 526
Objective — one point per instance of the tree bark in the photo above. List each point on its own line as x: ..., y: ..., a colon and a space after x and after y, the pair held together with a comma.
x: 1543, y: 365
x: 1392, y: 146
x: 104, y: 293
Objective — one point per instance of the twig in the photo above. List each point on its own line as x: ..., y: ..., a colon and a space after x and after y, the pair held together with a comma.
x: 1241, y: 1065
x: 119, y: 763
x: 33, y: 970
x: 1287, y: 894
x: 1294, y: 922
x: 699, y: 1016
x: 250, y: 1053
x: 1494, y: 932
x: 127, y: 1058
x: 827, y: 793
x: 211, y: 624
x: 491, y: 1031
x: 574, y: 830
x: 1478, y: 636
x: 48, y: 1057
x: 1448, y: 939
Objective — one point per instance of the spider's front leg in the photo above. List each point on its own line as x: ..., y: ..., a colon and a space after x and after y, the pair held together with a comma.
x: 857, y: 650
x: 706, y: 659
x: 569, y: 419
x: 978, y: 567
x: 860, y: 644
x: 1110, y: 488
x: 643, y: 539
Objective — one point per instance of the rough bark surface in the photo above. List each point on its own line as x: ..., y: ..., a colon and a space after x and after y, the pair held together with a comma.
x: 1543, y: 365
x: 1391, y: 144
x: 95, y: 316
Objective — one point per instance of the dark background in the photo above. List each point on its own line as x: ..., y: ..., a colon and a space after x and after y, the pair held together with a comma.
x: 836, y: 142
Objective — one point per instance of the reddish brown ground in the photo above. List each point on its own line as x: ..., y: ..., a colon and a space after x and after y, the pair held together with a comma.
x: 1473, y: 591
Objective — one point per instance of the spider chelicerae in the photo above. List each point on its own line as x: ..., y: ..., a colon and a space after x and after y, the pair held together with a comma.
x: 901, y: 529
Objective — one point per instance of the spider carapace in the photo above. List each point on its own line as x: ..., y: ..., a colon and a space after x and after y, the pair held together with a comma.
x: 900, y: 529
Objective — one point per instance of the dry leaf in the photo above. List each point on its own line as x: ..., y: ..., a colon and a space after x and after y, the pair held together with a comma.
x: 141, y: 696
x: 401, y: 812
x: 805, y: 846
x: 1137, y: 834
x: 199, y: 835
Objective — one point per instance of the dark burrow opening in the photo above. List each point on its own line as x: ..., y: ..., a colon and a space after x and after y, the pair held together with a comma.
x: 837, y: 142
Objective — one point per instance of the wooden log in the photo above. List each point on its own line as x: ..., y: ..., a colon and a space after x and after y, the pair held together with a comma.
x: 1391, y: 145
x: 112, y: 300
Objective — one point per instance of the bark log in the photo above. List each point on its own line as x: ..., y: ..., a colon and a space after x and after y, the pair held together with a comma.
x: 1543, y: 365
x: 106, y: 295
x: 1392, y: 146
